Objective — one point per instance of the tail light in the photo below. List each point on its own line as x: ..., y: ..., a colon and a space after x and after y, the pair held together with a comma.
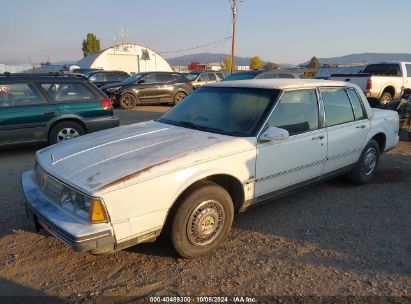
x: 369, y: 84
x: 189, y: 84
x: 106, y: 104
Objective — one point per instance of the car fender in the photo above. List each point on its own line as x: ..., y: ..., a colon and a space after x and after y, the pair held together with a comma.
x: 63, y: 117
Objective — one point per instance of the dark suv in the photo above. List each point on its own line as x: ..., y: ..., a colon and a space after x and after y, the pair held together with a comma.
x: 149, y: 87
x: 100, y: 78
x: 50, y: 108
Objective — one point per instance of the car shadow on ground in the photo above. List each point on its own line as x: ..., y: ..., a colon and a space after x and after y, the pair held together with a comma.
x: 365, y: 233
x: 11, y: 292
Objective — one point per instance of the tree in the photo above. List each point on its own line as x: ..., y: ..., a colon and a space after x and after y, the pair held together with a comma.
x: 226, y: 64
x: 91, y: 45
x: 314, y: 63
x: 270, y: 65
x: 255, y: 63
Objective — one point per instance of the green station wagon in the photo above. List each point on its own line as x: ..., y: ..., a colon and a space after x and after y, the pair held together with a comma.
x: 51, y: 108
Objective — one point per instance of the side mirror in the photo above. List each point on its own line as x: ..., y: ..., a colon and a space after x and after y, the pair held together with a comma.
x: 141, y: 81
x: 274, y: 133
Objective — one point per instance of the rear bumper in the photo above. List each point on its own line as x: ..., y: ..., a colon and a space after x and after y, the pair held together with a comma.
x: 72, y: 231
x: 98, y: 124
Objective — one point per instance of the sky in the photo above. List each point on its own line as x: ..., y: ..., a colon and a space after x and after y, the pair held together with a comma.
x: 282, y: 31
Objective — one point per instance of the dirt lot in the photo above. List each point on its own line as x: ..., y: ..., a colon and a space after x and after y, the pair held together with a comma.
x: 334, y: 239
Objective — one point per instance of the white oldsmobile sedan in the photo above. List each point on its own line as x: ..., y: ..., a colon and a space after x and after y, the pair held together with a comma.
x: 225, y: 148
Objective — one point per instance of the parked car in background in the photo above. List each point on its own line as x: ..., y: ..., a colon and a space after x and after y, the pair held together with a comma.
x: 226, y: 147
x: 50, y: 108
x: 149, y: 87
x: 199, y: 79
x: 261, y: 74
x: 100, y: 78
x: 381, y: 81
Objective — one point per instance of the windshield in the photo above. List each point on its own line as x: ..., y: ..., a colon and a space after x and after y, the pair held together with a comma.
x: 240, y: 76
x: 230, y: 111
x: 134, y: 78
x: 191, y: 76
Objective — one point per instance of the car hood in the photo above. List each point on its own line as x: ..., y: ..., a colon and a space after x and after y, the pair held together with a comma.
x: 102, y: 161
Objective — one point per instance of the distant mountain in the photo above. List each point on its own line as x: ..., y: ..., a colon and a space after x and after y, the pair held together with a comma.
x: 205, y: 58
x: 212, y: 58
x: 365, y: 57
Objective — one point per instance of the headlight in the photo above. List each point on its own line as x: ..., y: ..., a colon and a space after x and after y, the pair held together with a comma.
x: 89, y: 208
x: 113, y: 89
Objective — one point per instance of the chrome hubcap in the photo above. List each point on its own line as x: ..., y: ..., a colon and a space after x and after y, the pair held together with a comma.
x: 66, y: 134
x: 205, y: 223
x: 370, y: 161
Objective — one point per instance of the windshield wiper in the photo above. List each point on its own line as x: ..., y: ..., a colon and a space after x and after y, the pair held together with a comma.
x: 191, y: 125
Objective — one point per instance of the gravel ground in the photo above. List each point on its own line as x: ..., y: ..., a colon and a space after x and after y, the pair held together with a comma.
x: 335, y: 239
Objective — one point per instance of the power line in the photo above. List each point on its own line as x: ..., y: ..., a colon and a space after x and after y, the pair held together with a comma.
x: 197, y: 47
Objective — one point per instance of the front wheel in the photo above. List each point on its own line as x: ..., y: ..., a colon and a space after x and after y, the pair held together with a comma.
x: 202, y: 220
x: 367, y: 164
x: 127, y: 101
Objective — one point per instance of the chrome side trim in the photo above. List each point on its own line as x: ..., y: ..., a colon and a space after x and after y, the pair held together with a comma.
x: 292, y: 170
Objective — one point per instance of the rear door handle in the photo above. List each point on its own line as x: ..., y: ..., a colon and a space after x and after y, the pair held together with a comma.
x: 321, y: 137
x: 361, y: 127
x: 49, y: 113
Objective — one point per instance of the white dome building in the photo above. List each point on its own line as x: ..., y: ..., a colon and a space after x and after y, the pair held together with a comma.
x: 130, y: 58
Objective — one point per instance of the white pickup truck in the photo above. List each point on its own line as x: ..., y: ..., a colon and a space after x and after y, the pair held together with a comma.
x: 381, y: 81
x: 225, y: 148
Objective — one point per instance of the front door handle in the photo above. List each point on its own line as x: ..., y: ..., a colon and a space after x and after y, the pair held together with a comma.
x: 361, y: 127
x: 321, y: 137
x: 49, y: 113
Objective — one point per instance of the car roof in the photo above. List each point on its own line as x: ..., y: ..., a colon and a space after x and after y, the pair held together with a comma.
x: 42, y: 77
x: 281, y: 84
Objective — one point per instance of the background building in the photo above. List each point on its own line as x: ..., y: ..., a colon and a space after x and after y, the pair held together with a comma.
x: 131, y: 58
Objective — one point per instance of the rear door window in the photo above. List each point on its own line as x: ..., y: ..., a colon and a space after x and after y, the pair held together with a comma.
x: 356, y: 104
x: 337, y: 106
x: 162, y: 77
x: 19, y: 94
x: 67, y: 92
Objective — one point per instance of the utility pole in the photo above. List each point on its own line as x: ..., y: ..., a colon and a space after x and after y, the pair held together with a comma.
x: 234, y: 9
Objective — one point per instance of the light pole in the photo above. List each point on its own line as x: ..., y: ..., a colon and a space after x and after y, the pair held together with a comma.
x: 234, y: 9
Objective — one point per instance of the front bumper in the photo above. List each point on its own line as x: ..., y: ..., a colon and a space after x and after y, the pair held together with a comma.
x: 98, y: 124
x: 76, y: 233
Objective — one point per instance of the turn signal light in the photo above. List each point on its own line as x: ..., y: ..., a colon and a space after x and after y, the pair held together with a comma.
x: 106, y: 104
x: 97, y: 212
x: 189, y: 84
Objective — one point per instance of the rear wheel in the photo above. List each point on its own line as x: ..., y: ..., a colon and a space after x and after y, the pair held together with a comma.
x: 179, y: 97
x: 127, y: 101
x: 65, y: 130
x: 367, y: 164
x: 202, y: 220
x: 385, y: 98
